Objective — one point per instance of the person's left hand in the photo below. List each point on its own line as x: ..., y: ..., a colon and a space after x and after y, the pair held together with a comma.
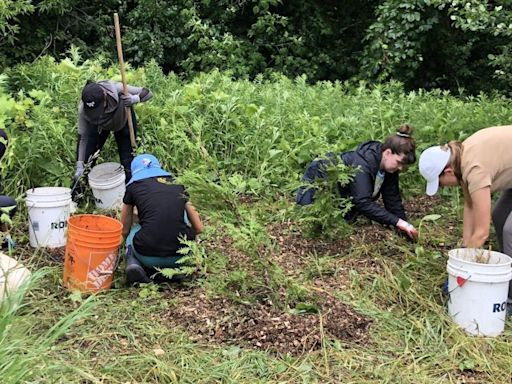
x: 129, y: 100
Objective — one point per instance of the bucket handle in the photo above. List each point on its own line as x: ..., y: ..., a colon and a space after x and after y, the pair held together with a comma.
x: 460, y: 280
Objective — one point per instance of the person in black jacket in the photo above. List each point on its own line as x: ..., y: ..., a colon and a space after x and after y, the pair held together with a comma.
x: 378, y: 167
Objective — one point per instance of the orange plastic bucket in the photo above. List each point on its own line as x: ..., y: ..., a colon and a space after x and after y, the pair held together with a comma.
x: 91, y: 252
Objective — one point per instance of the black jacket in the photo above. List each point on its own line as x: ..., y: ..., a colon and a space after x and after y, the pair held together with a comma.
x: 367, y: 157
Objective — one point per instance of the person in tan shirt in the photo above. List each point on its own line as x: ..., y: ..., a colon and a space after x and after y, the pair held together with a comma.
x: 481, y: 165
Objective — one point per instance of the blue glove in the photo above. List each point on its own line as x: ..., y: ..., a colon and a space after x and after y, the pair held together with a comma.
x: 129, y: 100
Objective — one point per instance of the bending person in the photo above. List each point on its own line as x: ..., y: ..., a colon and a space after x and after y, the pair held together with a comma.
x: 103, y: 109
x: 165, y: 216
x: 378, y: 167
x: 480, y: 165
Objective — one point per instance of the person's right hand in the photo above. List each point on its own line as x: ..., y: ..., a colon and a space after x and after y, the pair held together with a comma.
x: 407, y: 228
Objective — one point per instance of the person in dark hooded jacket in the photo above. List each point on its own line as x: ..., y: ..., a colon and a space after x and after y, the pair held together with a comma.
x: 378, y: 167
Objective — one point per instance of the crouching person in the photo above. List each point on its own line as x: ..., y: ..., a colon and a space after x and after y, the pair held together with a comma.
x: 165, y: 216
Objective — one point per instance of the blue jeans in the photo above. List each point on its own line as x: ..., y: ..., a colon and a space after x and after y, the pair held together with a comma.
x: 154, y: 261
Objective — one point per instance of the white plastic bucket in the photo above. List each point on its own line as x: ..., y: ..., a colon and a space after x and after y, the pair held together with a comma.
x: 107, y: 184
x: 48, y: 213
x: 12, y: 275
x: 478, y: 291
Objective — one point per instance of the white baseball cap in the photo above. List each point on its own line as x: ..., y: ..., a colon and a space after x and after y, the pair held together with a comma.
x: 432, y: 162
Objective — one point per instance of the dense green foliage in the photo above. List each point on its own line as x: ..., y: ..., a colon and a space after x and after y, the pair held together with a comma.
x: 256, y: 136
x: 456, y: 45
x: 232, y: 141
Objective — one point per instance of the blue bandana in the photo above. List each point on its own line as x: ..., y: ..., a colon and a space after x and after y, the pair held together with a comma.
x: 146, y: 166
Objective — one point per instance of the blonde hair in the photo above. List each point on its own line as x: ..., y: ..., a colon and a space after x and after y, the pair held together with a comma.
x: 457, y: 149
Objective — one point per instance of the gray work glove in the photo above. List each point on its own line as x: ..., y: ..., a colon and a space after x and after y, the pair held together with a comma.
x: 129, y: 100
x: 77, y: 186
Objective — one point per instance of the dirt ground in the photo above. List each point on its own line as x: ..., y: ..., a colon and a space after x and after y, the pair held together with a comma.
x: 263, y: 326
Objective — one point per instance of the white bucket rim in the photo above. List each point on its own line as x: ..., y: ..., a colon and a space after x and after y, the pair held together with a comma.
x: 48, y: 191
x: 481, y: 277
x: 452, y: 254
x: 107, y: 184
x: 47, y: 204
x: 105, y: 172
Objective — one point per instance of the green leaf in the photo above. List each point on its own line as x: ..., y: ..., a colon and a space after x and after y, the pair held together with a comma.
x: 306, y: 308
x: 432, y: 217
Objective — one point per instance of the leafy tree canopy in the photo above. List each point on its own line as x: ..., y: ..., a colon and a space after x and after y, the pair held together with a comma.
x: 456, y: 45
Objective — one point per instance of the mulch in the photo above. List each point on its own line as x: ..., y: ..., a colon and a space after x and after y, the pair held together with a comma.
x: 264, y: 326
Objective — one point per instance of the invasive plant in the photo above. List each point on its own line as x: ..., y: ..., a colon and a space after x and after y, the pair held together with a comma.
x: 259, y: 279
x: 192, y: 260
x: 420, y: 250
x: 325, y: 217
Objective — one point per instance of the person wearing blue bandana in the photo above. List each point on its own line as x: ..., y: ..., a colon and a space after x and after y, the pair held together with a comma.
x: 165, y: 216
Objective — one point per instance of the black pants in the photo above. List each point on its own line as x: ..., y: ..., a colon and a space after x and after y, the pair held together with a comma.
x: 7, y: 202
x: 95, y: 141
x: 502, y: 220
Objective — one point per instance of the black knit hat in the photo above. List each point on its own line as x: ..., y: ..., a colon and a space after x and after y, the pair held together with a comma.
x: 93, y: 98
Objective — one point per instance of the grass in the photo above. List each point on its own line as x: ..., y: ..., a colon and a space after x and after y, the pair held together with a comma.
x: 229, y: 139
x: 123, y: 336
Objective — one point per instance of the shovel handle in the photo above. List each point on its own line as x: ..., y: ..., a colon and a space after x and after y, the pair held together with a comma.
x: 123, y: 78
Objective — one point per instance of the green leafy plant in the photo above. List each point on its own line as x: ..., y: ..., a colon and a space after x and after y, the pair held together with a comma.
x: 420, y: 250
x: 325, y: 217
x: 191, y: 262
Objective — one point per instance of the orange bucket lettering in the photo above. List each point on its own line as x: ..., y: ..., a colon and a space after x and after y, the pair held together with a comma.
x: 91, y: 252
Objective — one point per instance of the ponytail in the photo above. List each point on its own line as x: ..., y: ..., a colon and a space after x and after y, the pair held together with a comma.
x: 402, y: 142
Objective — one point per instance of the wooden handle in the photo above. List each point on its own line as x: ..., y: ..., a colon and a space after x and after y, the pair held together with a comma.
x: 123, y: 79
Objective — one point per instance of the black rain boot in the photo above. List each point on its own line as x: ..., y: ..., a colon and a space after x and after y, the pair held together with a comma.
x: 135, y: 273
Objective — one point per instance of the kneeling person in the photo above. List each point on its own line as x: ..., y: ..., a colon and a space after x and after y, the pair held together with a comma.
x: 165, y: 216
